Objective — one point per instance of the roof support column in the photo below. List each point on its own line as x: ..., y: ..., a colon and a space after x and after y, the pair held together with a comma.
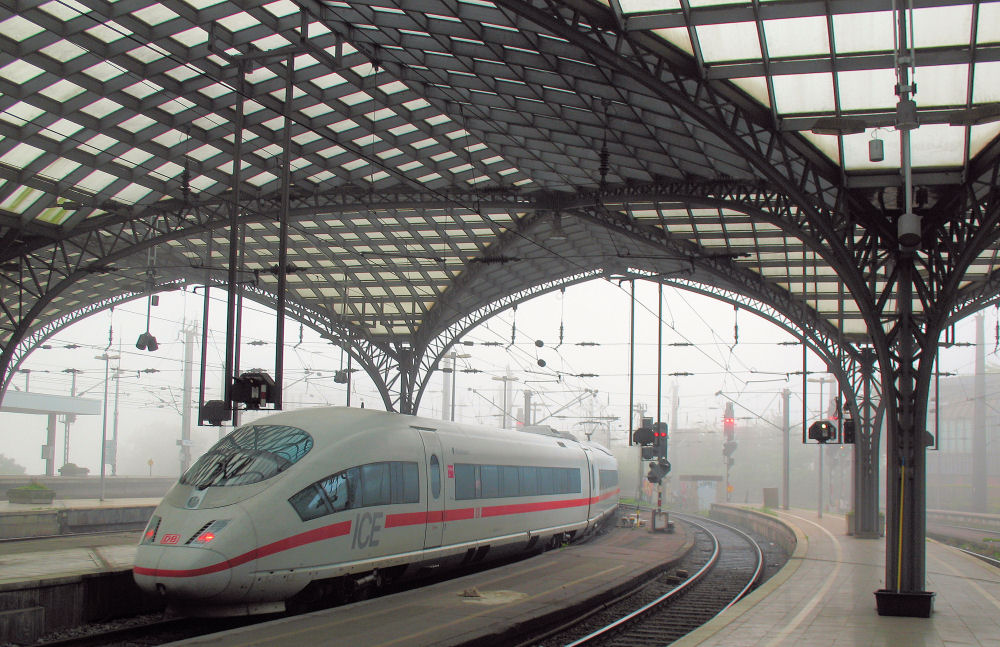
x: 906, y: 471
x: 866, y: 458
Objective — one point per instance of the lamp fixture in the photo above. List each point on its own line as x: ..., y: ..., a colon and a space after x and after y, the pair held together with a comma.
x: 838, y: 126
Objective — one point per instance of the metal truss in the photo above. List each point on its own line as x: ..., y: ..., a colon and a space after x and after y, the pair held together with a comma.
x: 38, y: 336
x: 442, y: 343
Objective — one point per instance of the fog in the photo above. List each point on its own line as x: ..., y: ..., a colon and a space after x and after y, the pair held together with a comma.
x: 717, y: 353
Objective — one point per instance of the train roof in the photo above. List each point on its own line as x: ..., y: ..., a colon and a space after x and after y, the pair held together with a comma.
x: 325, y: 420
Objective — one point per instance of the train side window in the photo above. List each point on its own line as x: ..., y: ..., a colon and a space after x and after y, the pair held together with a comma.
x: 396, y: 482
x: 509, y: 481
x: 337, y: 491
x: 375, y: 480
x: 491, y: 481
x: 309, y: 503
x: 529, y: 481
x: 465, y: 481
x: 435, y: 476
x: 561, y: 481
x: 574, y: 480
x: 546, y: 480
x: 411, y: 483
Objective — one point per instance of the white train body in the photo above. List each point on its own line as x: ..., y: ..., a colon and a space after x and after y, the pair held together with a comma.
x: 313, y: 495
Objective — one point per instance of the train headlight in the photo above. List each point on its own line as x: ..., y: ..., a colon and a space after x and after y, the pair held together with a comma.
x: 149, y: 536
x: 208, y: 532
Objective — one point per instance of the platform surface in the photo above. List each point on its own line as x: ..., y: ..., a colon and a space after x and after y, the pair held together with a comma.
x: 825, y: 597
x: 24, y: 562
x: 440, y: 615
x: 63, y: 504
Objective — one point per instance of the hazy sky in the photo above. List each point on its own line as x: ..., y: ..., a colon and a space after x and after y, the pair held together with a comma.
x: 752, y: 370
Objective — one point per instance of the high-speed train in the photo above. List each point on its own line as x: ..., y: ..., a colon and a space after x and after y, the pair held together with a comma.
x: 305, y: 503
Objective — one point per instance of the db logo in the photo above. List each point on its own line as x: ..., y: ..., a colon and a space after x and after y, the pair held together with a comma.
x: 170, y: 539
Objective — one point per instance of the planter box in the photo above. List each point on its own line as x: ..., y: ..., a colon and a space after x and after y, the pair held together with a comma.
x: 916, y: 604
x: 30, y: 496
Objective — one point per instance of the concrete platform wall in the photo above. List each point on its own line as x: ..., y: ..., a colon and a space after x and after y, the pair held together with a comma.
x: 68, y: 521
x: 89, y: 487
x: 765, y: 525
x: 31, y: 609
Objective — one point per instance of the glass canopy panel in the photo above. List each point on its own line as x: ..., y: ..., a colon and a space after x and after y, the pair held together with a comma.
x: 942, y: 85
x: 938, y: 145
x: 867, y: 89
x: 729, y: 42
x: 942, y: 26
x: 803, y: 93
x: 989, y: 23
x: 796, y: 37
x: 986, y: 83
x: 863, y: 32
x: 642, y: 6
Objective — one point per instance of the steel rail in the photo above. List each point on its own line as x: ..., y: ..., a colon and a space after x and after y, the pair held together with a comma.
x: 688, y: 584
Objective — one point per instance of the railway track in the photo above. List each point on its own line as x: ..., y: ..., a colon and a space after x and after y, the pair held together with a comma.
x: 724, y: 564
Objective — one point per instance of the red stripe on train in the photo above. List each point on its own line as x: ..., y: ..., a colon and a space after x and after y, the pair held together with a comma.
x: 391, y: 521
x: 317, y: 534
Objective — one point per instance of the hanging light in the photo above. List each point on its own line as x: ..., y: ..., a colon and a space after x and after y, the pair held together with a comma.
x: 876, y: 148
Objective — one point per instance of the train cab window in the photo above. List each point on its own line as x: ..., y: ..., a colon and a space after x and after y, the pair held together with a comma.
x: 310, y: 503
x: 435, y: 476
x: 375, y: 480
x: 250, y: 454
x: 338, y: 492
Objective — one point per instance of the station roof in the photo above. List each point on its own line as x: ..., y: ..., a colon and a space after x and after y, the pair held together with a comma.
x: 448, y: 154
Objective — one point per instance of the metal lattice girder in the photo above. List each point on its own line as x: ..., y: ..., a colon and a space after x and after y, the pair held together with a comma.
x: 39, y: 335
x: 441, y: 344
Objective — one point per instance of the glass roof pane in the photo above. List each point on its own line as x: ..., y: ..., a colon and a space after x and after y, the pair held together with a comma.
x: 63, y: 51
x: 867, y: 89
x: 797, y: 36
x: 863, y: 32
x: 989, y: 23
x: 803, y: 93
x: 21, y: 199
x: 985, y: 87
x: 680, y: 37
x: 729, y: 42
x: 96, y: 181
x: 154, y: 14
x: 942, y: 26
x: 756, y: 87
x: 21, y: 113
x: 19, y: 72
x: 937, y: 145
x: 62, y: 90
x: 237, y: 21
x: 19, y: 29
x: 59, y: 169
x: 109, y: 32
x: 942, y: 85
x: 856, y: 150
x: 981, y: 136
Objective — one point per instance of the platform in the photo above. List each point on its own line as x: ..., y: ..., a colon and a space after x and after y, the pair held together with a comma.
x: 72, y: 516
x: 825, y: 597
x: 539, y: 589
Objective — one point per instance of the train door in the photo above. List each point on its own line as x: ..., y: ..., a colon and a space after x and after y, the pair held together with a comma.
x: 591, y: 478
x: 434, y: 489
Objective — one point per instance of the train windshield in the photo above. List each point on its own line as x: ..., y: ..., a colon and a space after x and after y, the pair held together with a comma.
x: 249, y: 454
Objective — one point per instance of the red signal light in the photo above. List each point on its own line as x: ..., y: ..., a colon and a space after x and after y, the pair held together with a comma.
x: 205, y: 537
